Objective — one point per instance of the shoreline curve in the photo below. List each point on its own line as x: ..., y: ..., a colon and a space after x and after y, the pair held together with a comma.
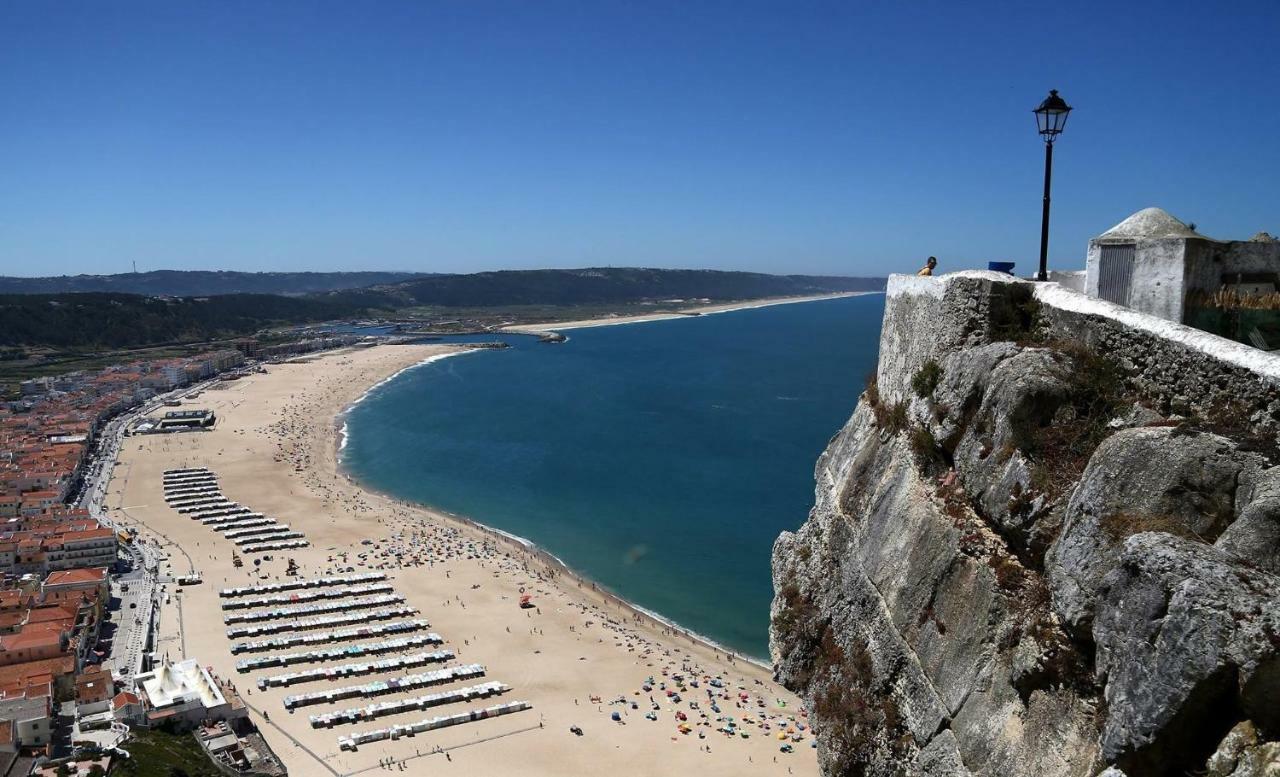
x: 523, y: 543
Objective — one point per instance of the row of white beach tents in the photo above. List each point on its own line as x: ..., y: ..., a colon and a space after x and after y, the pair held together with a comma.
x: 309, y: 596
x: 308, y: 609
x: 192, y: 480
x: 189, y: 490
x: 239, y: 521
x: 177, y: 479
x: 430, y: 724
x: 339, y: 605
x: 270, y: 542
x: 411, y: 661
x: 384, y: 687
x: 357, y: 714
x: 196, y: 493
x: 284, y: 545
x: 301, y: 583
x: 320, y: 638
x: 181, y: 471
x: 320, y: 622
x: 210, y: 515
x: 207, y: 503
x: 242, y: 532
x: 337, y: 654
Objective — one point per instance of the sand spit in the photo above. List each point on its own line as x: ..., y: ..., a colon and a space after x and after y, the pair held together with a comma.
x: 679, y: 312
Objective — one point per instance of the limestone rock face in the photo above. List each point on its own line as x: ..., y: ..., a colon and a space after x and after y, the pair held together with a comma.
x: 1187, y: 638
x: 1021, y: 393
x: 1255, y: 535
x: 1139, y: 479
x: 1242, y: 753
x: 911, y: 647
x: 1015, y: 565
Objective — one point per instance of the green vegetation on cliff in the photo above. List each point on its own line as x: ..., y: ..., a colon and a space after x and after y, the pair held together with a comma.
x: 156, y: 753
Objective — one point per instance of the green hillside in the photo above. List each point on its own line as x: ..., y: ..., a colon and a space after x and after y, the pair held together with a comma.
x: 597, y: 285
x: 194, y: 283
x: 98, y: 320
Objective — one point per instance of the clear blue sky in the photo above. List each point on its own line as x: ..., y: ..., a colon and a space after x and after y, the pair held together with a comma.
x: 845, y: 138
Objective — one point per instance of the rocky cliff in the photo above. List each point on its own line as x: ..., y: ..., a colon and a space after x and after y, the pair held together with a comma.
x: 1046, y: 543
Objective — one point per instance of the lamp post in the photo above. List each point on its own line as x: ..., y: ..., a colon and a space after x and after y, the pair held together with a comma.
x: 1051, y: 118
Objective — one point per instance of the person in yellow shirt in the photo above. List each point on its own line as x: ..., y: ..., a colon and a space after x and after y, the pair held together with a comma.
x: 928, y: 266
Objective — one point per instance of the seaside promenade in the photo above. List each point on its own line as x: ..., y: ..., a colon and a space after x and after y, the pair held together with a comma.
x: 572, y: 655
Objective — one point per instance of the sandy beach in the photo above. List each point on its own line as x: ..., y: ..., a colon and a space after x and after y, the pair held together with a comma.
x: 691, y: 310
x: 572, y: 656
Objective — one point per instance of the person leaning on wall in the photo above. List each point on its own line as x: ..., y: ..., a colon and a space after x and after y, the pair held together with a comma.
x: 928, y: 266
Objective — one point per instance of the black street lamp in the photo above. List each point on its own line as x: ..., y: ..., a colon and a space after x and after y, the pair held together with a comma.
x: 1051, y: 118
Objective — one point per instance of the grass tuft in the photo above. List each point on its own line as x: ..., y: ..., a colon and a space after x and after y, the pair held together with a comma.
x: 926, y: 379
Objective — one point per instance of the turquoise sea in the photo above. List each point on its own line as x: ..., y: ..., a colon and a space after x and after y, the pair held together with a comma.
x: 659, y: 459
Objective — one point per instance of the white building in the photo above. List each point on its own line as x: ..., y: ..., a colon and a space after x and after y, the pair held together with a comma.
x: 184, y: 693
x: 31, y: 721
x: 1154, y: 263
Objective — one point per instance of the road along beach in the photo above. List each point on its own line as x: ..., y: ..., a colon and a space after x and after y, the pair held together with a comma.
x: 574, y: 655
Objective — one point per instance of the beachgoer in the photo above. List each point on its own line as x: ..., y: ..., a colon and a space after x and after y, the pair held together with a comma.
x: 928, y: 266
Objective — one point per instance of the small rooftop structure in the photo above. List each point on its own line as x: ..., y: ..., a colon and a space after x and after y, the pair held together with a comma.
x: 1157, y: 264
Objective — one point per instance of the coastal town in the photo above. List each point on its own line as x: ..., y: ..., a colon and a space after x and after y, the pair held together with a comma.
x: 130, y: 522
x: 80, y: 598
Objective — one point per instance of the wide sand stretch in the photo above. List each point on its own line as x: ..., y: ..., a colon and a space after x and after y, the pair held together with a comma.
x: 683, y: 311
x: 274, y: 450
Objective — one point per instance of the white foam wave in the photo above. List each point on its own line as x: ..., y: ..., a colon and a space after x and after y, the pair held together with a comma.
x: 429, y: 360
x: 344, y: 433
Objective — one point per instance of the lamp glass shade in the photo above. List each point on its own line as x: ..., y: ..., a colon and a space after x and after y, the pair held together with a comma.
x: 1051, y: 116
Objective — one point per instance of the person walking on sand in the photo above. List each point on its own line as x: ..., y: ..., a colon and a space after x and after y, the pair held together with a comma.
x: 928, y: 266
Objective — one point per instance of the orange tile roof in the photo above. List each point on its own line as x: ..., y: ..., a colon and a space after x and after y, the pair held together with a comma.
x: 52, y: 613
x: 88, y: 534
x: 34, y: 495
x: 29, y: 687
x: 52, y: 667
x: 75, y: 576
x: 30, y: 639
x: 123, y: 698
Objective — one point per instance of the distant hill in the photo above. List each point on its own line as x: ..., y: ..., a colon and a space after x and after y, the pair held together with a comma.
x: 597, y: 285
x: 115, y: 320
x: 198, y: 283
x: 103, y: 320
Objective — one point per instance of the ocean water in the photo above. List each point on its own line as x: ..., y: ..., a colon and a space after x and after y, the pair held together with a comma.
x: 659, y: 459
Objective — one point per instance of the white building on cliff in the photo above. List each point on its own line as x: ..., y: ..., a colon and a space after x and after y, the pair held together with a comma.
x: 1155, y: 263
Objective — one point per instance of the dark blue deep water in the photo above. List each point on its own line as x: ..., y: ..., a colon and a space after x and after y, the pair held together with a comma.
x: 659, y: 459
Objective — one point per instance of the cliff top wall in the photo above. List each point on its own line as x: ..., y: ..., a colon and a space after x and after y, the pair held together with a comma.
x: 1186, y: 369
x: 1046, y: 542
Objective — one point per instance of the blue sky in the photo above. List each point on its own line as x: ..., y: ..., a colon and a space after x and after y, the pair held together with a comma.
x: 842, y: 138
